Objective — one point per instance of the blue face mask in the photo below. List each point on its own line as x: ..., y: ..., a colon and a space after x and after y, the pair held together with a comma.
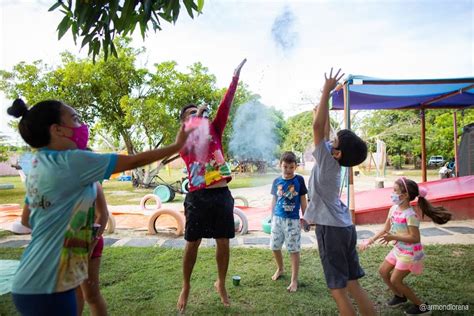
x: 396, y: 199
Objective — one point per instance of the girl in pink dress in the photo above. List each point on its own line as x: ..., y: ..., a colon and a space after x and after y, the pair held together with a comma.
x: 402, y: 226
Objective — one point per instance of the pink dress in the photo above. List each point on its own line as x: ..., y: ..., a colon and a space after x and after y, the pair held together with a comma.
x: 405, y: 256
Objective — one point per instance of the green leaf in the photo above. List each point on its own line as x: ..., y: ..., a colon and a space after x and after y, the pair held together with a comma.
x: 96, y: 49
x: 189, y: 4
x: 147, y: 10
x: 87, y: 39
x: 127, y: 13
x: 55, y: 6
x: 176, y: 11
x: 75, y: 31
x: 143, y: 28
x: 200, y: 5
x: 63, y: 26
x: 81, y: 13
x: 105, y: 48
x: 112, y: 49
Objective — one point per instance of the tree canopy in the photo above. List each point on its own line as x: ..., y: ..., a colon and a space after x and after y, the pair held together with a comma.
x: 135, y: 106
x: 401, y: 131
x: 99, y: 22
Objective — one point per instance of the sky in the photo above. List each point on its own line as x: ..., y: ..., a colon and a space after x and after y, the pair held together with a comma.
x: 288, y: 44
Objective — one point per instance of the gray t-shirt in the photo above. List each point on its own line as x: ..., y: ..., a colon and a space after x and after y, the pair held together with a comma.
x: 325, y: 207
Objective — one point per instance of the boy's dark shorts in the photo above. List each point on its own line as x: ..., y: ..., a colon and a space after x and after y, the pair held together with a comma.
x: 337, y: 250
x: 209, y: 214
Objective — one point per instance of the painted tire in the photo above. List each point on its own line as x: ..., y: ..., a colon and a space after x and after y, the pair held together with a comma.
x: 147, y: 198
x: 6, y: 186
x: 173, y: 194
x: 241, y: 198
x: 19, y: 229
x: 243, y: 220
x: 175, y: 214
x: 164, y: 192
x: 267, y: 225
x: 185, y: 186
x: 9, y: 207
x: 110, y: 228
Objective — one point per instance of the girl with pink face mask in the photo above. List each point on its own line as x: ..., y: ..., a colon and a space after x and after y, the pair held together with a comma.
x: 61, y: 195
x: 406, y: 256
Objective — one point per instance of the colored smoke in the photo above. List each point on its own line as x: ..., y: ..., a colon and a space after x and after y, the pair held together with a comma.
x: 253, y: 136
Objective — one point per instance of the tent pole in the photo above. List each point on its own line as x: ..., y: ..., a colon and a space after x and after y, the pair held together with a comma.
x: 423, y: 146
x: 456, y: 153
x: 350, y: 178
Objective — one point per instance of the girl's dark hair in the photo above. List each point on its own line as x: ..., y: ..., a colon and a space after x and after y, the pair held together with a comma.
x: 438, y: 214
x: 35, y: 122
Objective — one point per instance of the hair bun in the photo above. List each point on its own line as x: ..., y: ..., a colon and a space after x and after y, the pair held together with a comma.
x: 18, y: 108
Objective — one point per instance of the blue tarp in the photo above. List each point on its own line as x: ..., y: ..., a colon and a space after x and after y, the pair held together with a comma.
x: 366, y: 93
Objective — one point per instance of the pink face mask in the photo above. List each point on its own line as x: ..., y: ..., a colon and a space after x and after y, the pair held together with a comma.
x: 80, y: 136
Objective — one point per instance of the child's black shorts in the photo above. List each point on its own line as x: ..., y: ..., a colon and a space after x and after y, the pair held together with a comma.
x: 209, y: 214
x: 337, y: 250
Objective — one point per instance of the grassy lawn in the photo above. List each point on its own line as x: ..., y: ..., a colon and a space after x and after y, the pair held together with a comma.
x: 146, y: 281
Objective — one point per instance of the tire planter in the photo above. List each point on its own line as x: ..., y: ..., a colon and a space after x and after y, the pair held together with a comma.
x: 185, y: 186
x: 242, y: 199
x: 9, y: 207
x: 146, y: 198
x: 110, y: 228
x: 152, y: 228
x: 164, y: 192
x: 242, y: 219
x: 19, y: 229
x: 267, y: 225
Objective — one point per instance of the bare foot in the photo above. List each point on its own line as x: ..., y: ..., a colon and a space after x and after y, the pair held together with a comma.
x: 183, y: 299
x: 222, y: 293
x: 292, y: 287
x: 277, y: 274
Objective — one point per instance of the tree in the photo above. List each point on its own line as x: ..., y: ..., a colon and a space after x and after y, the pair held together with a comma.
x: 401, y: 131
x: 99, y: 22
x: 137, y: 106
x: 300, y: 133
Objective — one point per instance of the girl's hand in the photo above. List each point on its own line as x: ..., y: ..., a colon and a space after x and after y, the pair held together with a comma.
x: 385, y: 239
x: 331, y: 82
x: 239, y: 67
x: 365, y: 244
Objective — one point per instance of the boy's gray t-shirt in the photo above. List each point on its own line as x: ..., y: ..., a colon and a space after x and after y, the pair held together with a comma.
x: 325, y: 207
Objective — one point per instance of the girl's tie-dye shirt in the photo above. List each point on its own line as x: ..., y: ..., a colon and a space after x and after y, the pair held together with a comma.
x: 400, y: 220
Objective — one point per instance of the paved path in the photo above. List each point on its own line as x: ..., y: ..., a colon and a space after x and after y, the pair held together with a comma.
x: 455, y: 232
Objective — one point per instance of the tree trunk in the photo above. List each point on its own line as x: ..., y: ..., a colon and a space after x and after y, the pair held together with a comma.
x: 128, y: 143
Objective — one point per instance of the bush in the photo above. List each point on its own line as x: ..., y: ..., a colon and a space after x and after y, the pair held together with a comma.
x: 396, y: 161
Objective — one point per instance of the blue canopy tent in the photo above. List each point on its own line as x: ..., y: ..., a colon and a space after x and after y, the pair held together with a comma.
x: 366, y: 93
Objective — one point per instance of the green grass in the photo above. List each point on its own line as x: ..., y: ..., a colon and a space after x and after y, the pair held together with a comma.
x: 146, y: 281
x: 5, y: 233
x: 15, y: 195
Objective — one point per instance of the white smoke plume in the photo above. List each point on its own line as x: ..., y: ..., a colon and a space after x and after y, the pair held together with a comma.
x: 283, y: 34
x: 253, y: 136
